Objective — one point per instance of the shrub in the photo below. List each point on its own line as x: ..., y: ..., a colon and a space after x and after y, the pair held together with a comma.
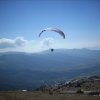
x: 79, y: 91
x: 94, y: 93
x: 50, y: 92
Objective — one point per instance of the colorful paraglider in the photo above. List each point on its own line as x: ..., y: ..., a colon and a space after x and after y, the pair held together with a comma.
x: 55, y: 30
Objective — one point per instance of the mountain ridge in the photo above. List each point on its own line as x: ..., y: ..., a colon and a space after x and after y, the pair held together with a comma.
x: 31, y: 70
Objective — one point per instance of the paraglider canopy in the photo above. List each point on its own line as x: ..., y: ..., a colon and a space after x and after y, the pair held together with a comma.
x: 53, y: 29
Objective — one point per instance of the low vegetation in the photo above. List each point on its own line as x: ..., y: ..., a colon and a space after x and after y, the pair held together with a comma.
x: 79, y: 91
x: 94, y: 93
x: 59, y: 92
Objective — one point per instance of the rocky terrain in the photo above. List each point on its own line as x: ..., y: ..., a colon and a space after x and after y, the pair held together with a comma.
x: 67, y: 91
x: 91, y: 83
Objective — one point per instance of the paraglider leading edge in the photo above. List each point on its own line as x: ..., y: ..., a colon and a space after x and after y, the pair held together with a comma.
x: 54, y: 29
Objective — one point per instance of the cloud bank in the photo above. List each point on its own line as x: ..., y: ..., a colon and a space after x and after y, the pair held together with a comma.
x: 46, y: 42
x: 9, y: 43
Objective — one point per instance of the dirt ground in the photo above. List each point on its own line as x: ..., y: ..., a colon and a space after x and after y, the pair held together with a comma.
x: 34, y: 95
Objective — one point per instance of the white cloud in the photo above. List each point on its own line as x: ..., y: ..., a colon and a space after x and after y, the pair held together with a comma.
x: 19, y: 41
x: 32, y: 41
x: 9, y: 43
x: 46, y: 42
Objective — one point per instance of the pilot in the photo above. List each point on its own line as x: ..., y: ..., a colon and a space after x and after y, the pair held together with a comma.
x: 52, y: 50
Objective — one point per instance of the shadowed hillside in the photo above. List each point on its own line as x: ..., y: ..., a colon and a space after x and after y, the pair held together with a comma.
x: 31, y: 70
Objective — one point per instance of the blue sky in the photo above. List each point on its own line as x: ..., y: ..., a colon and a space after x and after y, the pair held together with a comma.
x: 21, y: 22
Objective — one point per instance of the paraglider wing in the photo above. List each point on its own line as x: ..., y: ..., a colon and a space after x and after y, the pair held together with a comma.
x: 54, y: 29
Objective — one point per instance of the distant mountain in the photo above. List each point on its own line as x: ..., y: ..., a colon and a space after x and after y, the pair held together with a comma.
x: 10, y: 52
x: 30, y: 70
x: 76, y: 52
x: 94, y: 48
